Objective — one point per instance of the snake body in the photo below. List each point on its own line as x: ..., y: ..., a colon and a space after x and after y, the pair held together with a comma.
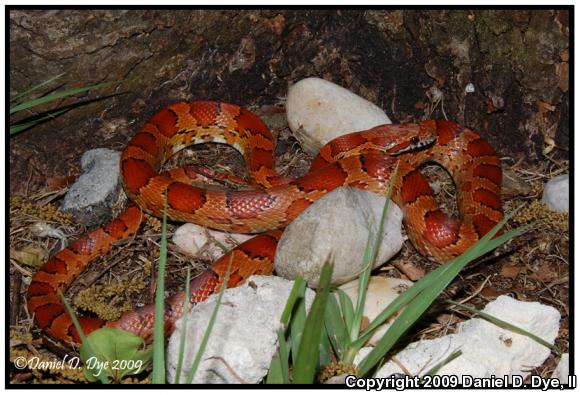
x: 363, y: 160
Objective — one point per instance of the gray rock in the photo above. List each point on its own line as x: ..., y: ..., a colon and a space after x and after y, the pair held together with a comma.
x: 243, y: 339
x: 335, y: 229
x: 92, y: 196
x: 557, y: 193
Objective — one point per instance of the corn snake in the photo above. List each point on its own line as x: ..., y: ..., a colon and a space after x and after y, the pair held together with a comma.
x: 362, y: 160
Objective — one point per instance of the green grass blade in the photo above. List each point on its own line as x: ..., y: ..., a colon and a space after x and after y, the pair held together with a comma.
x: 307, y: 360
x: 325, y: 354
x: 370, y: 255
x: 346, y: 307
x: 298, y: 291
x: 445, y: 274
x: 210, y: 324
x: 186, y: 302
x: 485, y: 245
x: 35, y: 87
x: 278, y: 372
x: 102, y: 376
x: 20, y: 127
x: 158, y: 375
x: 433, y: 371
x: 297, y: 326
x: 336, y: 329
x: 58, y: 95
x: 508, y: 326
x: 284, y: 356
x: 275, y: 371
x: 363, y: 282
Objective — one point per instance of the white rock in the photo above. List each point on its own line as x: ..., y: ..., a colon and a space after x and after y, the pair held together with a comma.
x: 319, y: 111
x: 195, y: 239
x: 380, y: 293
x: 335, y: 229
x: 91, y: 197
x: 486, y: 348
x: 243, y: 339
x: 557, y: 193
x: 563, y: 369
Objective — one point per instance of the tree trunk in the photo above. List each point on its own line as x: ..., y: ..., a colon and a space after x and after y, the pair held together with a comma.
x: 502, y: 73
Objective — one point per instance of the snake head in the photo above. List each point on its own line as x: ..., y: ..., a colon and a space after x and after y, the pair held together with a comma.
x: 403, y: 138
x: 414, y: 143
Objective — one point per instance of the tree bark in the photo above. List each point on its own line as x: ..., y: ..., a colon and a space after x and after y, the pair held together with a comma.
x: 502, y: 73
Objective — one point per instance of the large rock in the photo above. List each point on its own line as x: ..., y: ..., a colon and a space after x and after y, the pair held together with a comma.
x: 92, y: 196
x: 243, y: 339
x: 486, y: 348
x: 319, y: 111
x: 336, y: 229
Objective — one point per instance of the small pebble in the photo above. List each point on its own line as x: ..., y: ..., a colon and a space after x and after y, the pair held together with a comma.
x: 557, y: 193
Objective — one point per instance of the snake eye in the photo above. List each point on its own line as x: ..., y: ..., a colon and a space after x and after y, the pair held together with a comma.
x: 414, y: 140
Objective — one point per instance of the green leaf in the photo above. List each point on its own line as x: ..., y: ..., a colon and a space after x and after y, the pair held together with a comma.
x: 429, y: 289
x: 58, y: 95
x: 210, y: 324
x: 35, y: 87
x: 369, y: 258
x: 158, y: 376
x: 22, y: 126
x: 114, y: 352
x: 308, y: 352
x: 279, y: 372
x: 336, y: 329
x: 183, y: 333
x: 298, y: 291
x: 297, y: 323
x: 284, y: 355
x: 346, y: 307
x: 86, y: 343
x: 325, y: 349
x: 276, y: 373
x: 433, y: 371
x: 363, y: 282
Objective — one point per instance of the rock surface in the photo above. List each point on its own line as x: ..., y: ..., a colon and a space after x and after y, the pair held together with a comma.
x: 319, y: 111
x: 195, y: 239
x: 336, y: 228
x: 486, y: 348
x: 563, y: 369
x: 243, y: 339
x: 92, y: 196
x: 380, y: 293
x: 557, y: 193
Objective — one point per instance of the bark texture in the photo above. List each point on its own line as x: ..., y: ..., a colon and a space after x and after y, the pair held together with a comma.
x: 502, y: 73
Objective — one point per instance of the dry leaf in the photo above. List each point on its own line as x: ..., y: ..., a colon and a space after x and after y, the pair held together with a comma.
x: 490, y: 292
x: 57, y: 183
x: 544, y: 273
x: 31, y: 255
x: 510, y: 271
